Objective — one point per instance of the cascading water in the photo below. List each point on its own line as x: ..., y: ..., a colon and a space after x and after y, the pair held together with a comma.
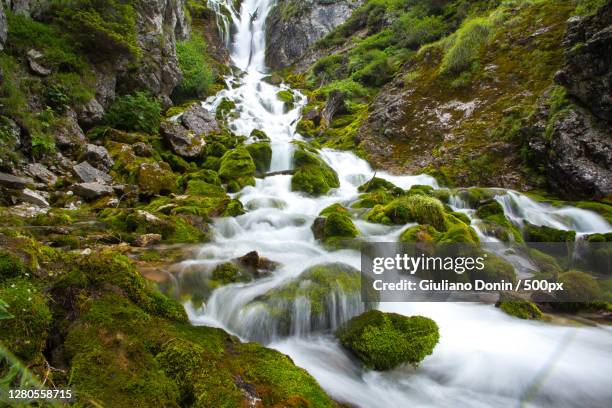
x: 484, y: 358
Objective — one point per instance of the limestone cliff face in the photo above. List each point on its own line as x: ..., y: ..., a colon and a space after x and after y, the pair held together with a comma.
x: 160, y: 24
x: 294, y: 25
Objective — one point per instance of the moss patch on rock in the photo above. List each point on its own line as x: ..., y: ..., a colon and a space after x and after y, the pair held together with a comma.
x: 385, y: 340
x: 312, y: 175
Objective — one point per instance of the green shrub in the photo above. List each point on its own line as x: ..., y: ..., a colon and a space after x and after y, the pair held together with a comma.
x: 465, y: 45
x: 135, y: 113
x: 413, y: 32
x: 198, y: 76
x: 385, y: 340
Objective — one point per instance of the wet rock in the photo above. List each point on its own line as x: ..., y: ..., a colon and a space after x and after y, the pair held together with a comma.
x: 89, y: 174
x: 33, y: 197
x: 256, y: 264
x: 199, y: 120
x: 181, y: 141
x: 587, y: 73
x: 98, y: 156
x: 39, y: 172
x: 147, y: 240
x: 3, y: 26
x: 294, y: 32
x: 335, y: 105
x: 34, y: 64
x: 14, y: 182
x: 92, y: 191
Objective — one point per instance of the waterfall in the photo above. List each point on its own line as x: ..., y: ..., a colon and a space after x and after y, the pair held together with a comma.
x: 484, y: 358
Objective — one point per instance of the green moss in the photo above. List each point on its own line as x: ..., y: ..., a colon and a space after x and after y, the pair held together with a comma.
x: 412, y: 208
x: 229, y: 272
x: 11, y: 266
x: 376, y: 184
x: 521, y: 308
x: 288, y: 98
x: 25, y: 335
x: 335, y: 227
x: 312, y: 175
x: 155, y: 179
x: 199, y: 187
x: 535, y: 233
x: 495, y: 223
x: 466, y: 44
x: 578, y: 289
x: 261, y: 152
x: 316, y: 284
x: 259, y: 135
x: 225, y: 108
x: 496, y: 269
x: 237, y: 166
x: 385, y: 340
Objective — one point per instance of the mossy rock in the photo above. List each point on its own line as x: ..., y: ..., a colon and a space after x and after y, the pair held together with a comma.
x: 496, y: 269
x: 259, y: 135
x: 288, y: 98
x: 11, y: 266
x: 228, y: 272
x: 535, y: 233
x: 335, y: 228
x: 317, y: 286
x: 261, y: 152
x: 312, y: 175
x: 206, y: 175
x: 225, y: 109
x: 376, y: 184
x: 26, y: 333
x: 517, y: 307
x: 386, y: 340
x: 202, y: 188
x: 413, y: 208
x: 237, y: 169
x: 495, y: 223
x: 371, y: 200
x: 476, y: 196
x: 156, y: 178
x: 579, y: 288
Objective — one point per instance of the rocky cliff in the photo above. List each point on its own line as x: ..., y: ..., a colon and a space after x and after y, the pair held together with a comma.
x: 294, y: 25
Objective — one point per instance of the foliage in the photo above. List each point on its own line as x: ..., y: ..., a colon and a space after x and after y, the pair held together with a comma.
x: 138, y: 112
x: 103, y: 28
x: 198, y: 75
x: 465, y: 45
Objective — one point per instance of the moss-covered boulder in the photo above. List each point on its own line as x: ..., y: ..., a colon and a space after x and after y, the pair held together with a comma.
x: 542, y: 233
x: 334, y: 227
x: 261, y: 152
x: 386, y: 340
x: 325, y: 294
x: 413, y: 208
x: 579, y: 288
x: 496, y: 269
x: 494, y: 222
x: 517, y: 307
x: 312, y: 175
x: 288, y: 98
x: 377, y: 184
x: 237, y: 169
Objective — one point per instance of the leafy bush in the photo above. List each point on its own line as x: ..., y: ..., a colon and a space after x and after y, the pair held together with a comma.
x: 413, y: 32
x: 198, y: 76
x: 139, y: 113
x: 466, y: 45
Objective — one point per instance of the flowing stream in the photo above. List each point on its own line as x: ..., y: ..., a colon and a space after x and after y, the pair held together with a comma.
x: 485, y: 358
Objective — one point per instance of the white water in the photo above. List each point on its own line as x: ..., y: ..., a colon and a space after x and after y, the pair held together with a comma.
x: 484, y: 359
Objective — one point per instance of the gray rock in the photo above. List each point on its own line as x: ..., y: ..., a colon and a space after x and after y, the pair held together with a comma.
x: 142, y: 149
x: 182, y: 142
x: 309, y: 21
x: 69, y: 136
x: 147, y: 240
x: 92, y: 191
x: 30, y: 8
x: 14, y: 182
x: 578, y: 154
x: 3, y: 26
x: 33, y: 197
x: 90, y: 113
x: 89, y: 174
x: 40, y: 172
x: 199, y: 120
x: 587, y: 73
x: 34, y: 64
x: 98, y: 156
